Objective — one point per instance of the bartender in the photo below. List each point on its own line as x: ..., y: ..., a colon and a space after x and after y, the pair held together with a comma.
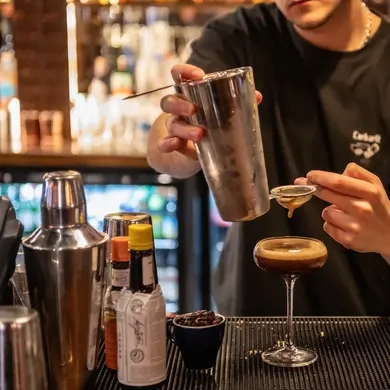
x: 322, y: 68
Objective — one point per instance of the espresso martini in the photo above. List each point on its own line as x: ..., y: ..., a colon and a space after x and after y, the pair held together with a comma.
x: 290, y: 255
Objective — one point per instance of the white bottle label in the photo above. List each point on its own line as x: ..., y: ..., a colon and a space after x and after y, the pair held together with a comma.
x: 120, y: 277
x: 141, y: 333
x: 147, y: 270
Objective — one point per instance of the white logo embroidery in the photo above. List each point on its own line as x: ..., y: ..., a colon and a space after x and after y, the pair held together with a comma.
x: 365, y: 145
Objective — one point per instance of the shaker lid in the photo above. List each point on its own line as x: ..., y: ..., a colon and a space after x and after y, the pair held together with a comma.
x: 62, y: 190
x: 63, y: 200
x: 120, y: 249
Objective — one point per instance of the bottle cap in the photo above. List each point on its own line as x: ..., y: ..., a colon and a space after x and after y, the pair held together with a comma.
x: 119, y: 249
x: 140, y: 237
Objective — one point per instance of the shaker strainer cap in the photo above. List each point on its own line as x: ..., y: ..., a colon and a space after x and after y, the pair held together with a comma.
x: 63, y: 200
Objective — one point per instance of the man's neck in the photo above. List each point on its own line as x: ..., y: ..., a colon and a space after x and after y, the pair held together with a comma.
x: 345, y: 30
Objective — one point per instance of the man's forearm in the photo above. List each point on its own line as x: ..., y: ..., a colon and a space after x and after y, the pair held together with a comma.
x: 173, y: 164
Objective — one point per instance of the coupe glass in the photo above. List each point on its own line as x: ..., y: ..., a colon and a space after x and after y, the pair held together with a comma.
x: 290, y: 257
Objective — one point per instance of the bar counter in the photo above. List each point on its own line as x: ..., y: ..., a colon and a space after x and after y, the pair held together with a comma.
x: 353, y: 354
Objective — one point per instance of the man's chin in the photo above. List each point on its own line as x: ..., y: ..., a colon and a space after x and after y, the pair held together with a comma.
x: 309, y: 17
x: 309, y: 25
x: 309, y: 22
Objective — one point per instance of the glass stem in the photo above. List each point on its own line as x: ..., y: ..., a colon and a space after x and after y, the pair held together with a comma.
x: 290, y: 282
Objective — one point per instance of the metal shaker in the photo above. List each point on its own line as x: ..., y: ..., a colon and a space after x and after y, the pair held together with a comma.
x: 231, y: 151
x: 117, y: 224
x: 22, y: 361
x: 64, y: 260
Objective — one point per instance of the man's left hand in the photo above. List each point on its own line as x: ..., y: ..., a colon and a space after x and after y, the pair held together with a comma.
x: 359, y: 215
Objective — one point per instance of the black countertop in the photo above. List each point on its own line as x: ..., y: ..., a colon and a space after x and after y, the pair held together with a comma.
x: 353, y: 354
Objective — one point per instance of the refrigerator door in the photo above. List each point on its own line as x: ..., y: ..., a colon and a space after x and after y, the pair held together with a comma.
x: 217, y: 230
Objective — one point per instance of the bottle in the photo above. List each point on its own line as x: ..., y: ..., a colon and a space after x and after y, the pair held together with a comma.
x: 143, y: 274
x: 121, y: 80
x: 141, y: 321
x: 100, y: 85
x: 120, y: 260
x: 8, y: 71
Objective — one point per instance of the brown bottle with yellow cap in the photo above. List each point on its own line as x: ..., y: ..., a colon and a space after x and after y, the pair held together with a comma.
x: 143, y: 266
x: 141, y: 317
x: 120, y: 259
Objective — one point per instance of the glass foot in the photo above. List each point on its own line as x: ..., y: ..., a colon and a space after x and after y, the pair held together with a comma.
x: 289, y: 356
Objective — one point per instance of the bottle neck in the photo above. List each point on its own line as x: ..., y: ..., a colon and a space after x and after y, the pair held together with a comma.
x: 143, y: 271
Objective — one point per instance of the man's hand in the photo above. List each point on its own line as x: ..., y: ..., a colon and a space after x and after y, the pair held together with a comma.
x: 359, y: 215
x: 182, y: 136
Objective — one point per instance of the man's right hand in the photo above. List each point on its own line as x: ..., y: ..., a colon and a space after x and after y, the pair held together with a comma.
x: 182, y: 136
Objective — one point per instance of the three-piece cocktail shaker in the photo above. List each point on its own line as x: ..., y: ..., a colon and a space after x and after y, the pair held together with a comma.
x: 64, y: 261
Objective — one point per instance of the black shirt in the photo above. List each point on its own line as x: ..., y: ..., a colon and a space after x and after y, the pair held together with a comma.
x: 320, y: 110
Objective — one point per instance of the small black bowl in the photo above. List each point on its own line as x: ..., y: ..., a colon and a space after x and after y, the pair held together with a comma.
x: 199, y: 345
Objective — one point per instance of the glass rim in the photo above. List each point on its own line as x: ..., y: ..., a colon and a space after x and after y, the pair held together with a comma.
x: 303, y: 238
x: 118, y: 216
x: 310, y: 190
x: 223, y: 74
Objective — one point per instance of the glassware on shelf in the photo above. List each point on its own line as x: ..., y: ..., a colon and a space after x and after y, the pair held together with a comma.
x: 50, y: 124
x: 31, y: 133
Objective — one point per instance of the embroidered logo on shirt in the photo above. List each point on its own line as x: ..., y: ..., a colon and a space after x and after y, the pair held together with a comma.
x: 365, y: 145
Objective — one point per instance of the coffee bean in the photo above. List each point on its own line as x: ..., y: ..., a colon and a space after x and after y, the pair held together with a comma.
x: 199, y: 318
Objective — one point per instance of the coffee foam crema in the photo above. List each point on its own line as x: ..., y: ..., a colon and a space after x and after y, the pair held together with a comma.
x: 291, y: 248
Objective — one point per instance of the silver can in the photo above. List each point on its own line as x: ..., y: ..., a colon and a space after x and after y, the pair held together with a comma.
x: 231, y: 151
x: 22, y: 360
